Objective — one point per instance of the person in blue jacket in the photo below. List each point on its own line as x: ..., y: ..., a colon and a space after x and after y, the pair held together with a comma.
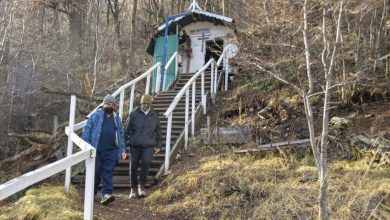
x: 105, y: 133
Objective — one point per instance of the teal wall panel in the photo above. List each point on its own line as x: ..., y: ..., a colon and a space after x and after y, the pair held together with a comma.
x: 173, y: 44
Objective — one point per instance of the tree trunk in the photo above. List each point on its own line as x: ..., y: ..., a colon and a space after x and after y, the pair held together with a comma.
x: 116, y: 9
x: 223, y: 7
x: 133, y: 25
x: 77, y: 33
x: 172, y: 7
x: 328, y: 71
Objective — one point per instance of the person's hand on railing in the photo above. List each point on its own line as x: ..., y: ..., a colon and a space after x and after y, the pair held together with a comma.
x: 157, y: 149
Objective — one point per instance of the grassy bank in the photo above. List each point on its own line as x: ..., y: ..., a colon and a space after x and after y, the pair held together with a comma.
x: 45, y: 202
x: 229, y: 186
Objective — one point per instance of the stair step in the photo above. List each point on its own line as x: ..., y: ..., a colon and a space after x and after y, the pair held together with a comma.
x: 122, y: 181
x: 127, y: 161
x: 161, y: 103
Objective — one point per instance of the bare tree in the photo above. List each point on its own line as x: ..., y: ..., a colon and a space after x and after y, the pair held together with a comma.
x: 328, y: 61
x: 133, y: 24
x: 115, y: 8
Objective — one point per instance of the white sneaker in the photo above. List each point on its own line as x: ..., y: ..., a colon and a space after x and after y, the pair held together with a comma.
x: 107, y: 198
x: 133, y: 193
x: 141, y: 191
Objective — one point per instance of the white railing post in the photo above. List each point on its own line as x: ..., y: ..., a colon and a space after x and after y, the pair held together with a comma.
x: 212, y: 82
x: 72, y: 113
x: 89, y: 186
x: 226, y: 63
x: 165, y: 78
x: 203, y: 98
x: 168, y: 143
x: 121, y: 102
x: 176, y: 65
x: 187, y: 108
x: 147, y: 87
x: 215, y: 80
x: 193, y: 108
x: 131, y: 101
x: 158, y: 78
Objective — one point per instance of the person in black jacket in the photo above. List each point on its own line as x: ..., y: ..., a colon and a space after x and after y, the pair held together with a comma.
x: 143, y: 135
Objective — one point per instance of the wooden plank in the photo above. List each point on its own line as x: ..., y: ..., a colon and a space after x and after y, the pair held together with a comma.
x: 265, y: 149
x: 280, y: 144
x: 15, y: 185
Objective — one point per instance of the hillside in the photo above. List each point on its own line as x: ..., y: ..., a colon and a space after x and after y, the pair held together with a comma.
x: 300, y: 65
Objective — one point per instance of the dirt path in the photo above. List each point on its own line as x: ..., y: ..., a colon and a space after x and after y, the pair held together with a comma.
x: 123, y: 208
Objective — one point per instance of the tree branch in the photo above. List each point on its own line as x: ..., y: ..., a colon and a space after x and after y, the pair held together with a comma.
x: 299, y: 90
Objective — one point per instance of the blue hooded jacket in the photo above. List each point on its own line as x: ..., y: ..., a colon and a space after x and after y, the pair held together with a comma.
x: 91, y: 131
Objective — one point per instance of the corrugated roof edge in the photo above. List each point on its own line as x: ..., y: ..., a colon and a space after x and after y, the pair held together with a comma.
x: 209, y: 14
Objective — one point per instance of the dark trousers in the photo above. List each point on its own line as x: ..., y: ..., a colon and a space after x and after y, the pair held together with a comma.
x: 145, y: 155
x: 104, y: 169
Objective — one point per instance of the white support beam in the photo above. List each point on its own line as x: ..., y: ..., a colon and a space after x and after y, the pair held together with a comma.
x: 131, y: 104
x: 72, y: 113
x: 226, y: 63
x: 202, y: 96
x: 158, y: 79
x: 187, y: 109
x: 89, y: 188
x: 212, y: 82
x: 121, y: 103
x: 168, y: 144
x: 147, y: 87
x: 193, y: 108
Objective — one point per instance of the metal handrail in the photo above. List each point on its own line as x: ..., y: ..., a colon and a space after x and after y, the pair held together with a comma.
x: 121, y: 90
x: 186, y: 88
x: 170, y: 60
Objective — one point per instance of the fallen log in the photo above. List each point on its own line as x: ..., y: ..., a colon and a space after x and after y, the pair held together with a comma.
x: 378, y: 148
x: 79, y: 95
x: 286, y: 144
x: 35, y: 136
x: 28, y: 151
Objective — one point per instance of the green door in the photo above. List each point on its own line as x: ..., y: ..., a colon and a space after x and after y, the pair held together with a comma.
x: 173, y: 44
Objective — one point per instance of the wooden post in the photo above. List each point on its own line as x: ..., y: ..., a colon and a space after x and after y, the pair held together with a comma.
x: 89, y: 186
x: 55, y: 125
x: 186, y: 118
x: 72, y: 113
x: 168, y: 143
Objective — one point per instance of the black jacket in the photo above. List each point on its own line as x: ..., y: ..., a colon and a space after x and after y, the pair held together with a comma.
x: 143, y: 130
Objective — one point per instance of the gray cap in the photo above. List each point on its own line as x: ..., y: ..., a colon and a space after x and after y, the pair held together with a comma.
x: 109, y: 99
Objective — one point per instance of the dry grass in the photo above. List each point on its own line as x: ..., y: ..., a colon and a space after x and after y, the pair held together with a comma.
x: 45, y: 202
x: 229, y: 186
